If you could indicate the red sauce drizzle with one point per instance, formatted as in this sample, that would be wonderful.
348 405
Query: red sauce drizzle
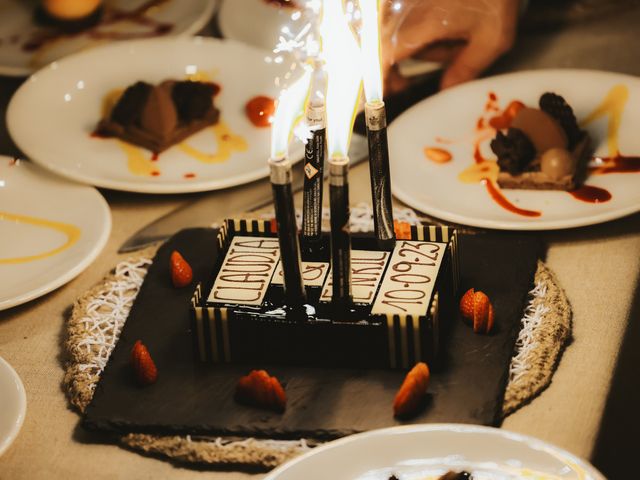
591 194
618 164
260 110
155 173
492 96
504 119
477 154
109 17
501 200
155 156
189 175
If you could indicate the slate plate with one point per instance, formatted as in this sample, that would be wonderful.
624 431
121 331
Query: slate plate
322 403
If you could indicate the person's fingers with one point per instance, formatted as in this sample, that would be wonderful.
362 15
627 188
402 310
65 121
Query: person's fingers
479 53
486 44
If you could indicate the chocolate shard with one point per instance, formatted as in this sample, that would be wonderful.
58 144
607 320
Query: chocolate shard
193 99
456 476
514 150
556 106
128 110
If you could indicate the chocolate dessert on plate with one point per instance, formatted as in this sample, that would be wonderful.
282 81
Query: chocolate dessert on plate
543 148
159 116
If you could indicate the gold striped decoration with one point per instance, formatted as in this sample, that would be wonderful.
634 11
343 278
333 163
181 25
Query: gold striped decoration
392 341
200 334
417 350
224 318
213 335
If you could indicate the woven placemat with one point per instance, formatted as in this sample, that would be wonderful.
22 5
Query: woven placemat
99 315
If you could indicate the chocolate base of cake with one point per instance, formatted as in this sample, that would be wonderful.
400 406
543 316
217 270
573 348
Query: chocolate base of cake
537 180
43 18
136 135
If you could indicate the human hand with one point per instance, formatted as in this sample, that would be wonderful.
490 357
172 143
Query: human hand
466 35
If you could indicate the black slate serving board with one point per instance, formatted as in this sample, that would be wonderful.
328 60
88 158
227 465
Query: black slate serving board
191 398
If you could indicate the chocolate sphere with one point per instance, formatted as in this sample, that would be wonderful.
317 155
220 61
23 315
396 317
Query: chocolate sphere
557 163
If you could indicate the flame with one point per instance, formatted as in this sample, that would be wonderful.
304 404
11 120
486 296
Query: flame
289 110
370 39
343 64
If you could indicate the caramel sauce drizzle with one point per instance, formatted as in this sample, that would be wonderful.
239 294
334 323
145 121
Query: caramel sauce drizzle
612 106
71 231
138 160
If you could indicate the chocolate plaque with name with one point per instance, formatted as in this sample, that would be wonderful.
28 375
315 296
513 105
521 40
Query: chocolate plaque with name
246 272
313 274
367 267
408 284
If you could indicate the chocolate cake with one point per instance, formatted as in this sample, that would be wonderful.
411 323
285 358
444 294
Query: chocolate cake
543 148
159 116
69 15
399 299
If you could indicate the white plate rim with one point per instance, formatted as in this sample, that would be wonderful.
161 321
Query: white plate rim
75 271
520 225
435 427
197 25
22 395
132 186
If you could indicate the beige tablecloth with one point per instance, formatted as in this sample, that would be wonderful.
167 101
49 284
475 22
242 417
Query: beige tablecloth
597 266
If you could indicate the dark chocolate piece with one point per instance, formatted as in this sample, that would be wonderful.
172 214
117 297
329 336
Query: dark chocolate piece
128 110
456 476
514 150
556 106
193 99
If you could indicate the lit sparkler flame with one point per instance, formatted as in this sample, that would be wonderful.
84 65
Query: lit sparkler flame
289 110
370 40
343 64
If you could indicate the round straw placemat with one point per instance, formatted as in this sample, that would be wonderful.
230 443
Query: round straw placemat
98 317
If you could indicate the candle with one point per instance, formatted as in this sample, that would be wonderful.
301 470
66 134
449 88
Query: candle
376 122
344 80
289 108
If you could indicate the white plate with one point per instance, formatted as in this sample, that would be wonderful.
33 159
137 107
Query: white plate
423 452
452 115
52 115
17 29
50 230
13 405
261 28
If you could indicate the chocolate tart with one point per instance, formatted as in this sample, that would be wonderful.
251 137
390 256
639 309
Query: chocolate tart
538 180
543 149
157 117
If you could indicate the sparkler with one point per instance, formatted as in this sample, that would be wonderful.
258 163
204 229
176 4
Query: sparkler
342 58
289 109
376 121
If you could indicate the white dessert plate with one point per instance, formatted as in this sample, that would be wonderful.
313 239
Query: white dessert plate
449 121
26 46
256 22
13 405
424 452
51 117
51 229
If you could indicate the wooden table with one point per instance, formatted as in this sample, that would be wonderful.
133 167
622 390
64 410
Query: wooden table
598 267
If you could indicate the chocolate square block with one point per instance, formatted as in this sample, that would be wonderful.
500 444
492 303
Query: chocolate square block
400 299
